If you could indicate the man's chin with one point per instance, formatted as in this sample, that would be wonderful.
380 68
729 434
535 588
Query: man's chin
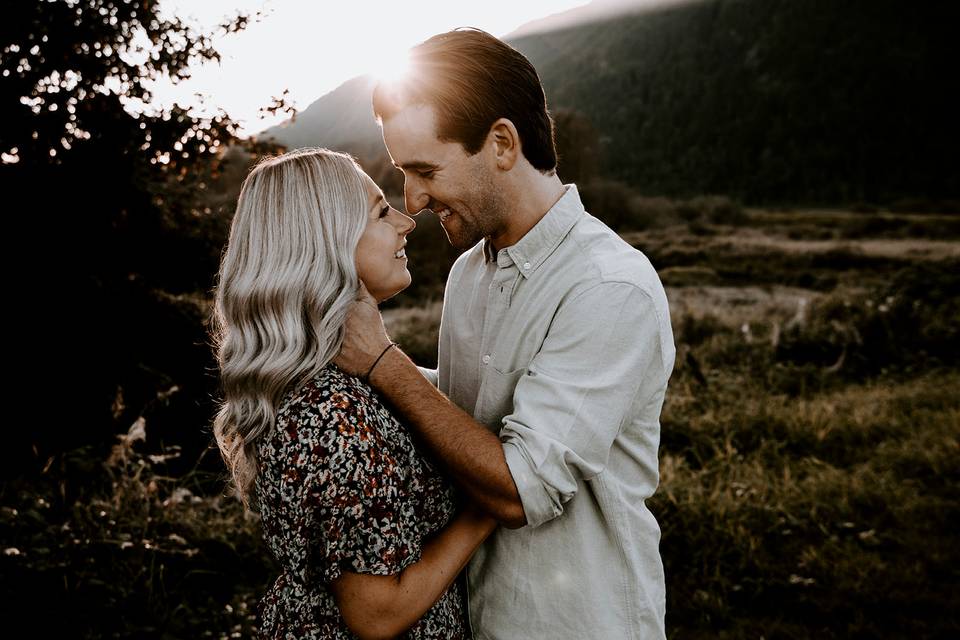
460 240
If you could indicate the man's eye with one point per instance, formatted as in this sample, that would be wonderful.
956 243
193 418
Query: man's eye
425 174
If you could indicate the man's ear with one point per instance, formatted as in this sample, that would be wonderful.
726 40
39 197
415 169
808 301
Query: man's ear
505 143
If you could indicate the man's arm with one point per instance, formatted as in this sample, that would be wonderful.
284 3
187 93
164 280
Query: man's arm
472 455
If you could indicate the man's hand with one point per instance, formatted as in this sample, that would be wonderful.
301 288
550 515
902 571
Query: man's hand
364 337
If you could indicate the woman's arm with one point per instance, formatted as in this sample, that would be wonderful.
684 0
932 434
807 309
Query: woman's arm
376 607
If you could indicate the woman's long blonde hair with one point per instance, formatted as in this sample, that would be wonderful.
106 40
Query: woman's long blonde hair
286 280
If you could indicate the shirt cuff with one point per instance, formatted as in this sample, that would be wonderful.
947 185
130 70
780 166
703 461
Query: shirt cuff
538 506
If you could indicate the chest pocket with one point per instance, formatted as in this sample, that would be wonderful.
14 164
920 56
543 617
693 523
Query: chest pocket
496 397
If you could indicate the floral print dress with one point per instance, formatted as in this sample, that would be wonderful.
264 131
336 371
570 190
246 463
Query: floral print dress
342 488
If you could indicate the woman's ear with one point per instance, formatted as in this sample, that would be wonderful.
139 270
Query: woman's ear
505 143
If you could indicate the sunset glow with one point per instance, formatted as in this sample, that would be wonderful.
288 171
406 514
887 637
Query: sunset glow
311 49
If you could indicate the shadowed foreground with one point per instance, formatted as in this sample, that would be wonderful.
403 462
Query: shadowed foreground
809 458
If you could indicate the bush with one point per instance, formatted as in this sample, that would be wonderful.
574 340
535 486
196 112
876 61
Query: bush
925 205
911 322
713 209
615 204
827 517
864 207
95 536
623 209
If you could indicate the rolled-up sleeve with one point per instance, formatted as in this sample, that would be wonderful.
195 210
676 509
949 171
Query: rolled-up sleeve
429 374
570 404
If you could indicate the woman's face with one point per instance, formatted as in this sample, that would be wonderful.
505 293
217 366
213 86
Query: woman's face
381 259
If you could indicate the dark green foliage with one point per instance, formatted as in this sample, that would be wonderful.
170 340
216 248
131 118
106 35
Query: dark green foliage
765 100
115 547
912 322
577 147
114 212
624 209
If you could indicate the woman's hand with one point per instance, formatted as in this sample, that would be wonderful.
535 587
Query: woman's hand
364 336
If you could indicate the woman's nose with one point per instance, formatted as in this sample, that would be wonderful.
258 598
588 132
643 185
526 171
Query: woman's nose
407 224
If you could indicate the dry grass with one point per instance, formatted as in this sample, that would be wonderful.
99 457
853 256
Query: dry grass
809 455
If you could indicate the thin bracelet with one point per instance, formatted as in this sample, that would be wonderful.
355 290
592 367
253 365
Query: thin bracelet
366 377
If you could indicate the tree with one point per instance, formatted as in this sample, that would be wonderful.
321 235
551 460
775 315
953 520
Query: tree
106 190
577 146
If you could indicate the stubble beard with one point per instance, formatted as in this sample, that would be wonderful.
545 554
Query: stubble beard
486 217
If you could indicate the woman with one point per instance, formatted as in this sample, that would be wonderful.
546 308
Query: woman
363 526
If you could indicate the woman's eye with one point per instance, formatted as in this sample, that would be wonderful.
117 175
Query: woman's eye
385 211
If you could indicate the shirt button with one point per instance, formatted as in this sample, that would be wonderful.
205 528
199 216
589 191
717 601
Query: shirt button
526 265
486 359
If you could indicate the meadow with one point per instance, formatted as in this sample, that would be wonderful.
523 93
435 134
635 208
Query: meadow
810 449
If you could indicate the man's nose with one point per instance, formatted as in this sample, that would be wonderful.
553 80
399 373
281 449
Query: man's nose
415 199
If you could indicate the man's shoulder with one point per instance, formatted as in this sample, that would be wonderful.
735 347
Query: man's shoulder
605 257
613 272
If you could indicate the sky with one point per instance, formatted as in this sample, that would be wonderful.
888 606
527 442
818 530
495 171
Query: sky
310 48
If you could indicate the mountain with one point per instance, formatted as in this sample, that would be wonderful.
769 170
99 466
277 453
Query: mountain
595 11
341 119
771 101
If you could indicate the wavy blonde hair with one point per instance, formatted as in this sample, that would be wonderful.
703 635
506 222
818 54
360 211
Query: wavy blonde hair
286 279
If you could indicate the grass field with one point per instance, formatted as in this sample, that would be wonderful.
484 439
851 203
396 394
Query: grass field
810 454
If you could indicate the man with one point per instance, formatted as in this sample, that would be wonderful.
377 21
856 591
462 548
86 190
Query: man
555 350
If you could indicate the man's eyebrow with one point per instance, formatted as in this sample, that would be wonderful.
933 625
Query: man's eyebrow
416 165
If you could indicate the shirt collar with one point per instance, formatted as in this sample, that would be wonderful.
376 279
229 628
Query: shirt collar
540 241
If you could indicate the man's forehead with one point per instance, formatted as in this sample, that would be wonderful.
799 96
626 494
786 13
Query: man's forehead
410 136
420 115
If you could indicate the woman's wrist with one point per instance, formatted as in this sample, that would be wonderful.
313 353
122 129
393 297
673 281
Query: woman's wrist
366 376
388 362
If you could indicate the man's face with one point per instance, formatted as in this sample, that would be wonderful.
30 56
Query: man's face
440 176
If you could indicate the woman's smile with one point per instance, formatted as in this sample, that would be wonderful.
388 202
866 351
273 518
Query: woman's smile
386 230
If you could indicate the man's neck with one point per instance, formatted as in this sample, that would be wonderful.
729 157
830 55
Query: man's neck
534 198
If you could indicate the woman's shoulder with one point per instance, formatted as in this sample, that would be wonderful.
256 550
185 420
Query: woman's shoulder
333 429
330 389
313 410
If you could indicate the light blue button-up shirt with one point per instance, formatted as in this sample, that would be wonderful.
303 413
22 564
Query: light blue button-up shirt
562 345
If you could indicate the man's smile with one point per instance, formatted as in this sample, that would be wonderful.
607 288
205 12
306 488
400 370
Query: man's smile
441 210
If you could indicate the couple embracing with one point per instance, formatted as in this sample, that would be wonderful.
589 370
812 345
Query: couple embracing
502 495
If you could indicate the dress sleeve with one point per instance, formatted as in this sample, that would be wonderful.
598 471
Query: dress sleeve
345 492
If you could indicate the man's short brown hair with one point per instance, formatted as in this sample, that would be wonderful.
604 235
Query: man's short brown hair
471 79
